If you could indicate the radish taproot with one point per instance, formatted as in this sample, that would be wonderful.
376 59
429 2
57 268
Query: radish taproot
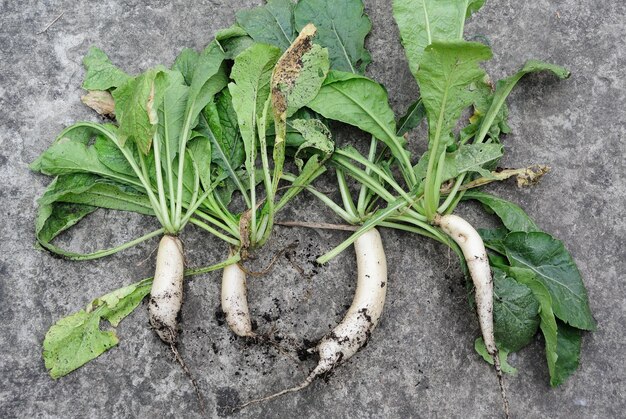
234 301
475 254
166 295
353 332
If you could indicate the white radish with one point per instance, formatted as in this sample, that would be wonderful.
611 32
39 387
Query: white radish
235 301
473 249
166 295
355 329
166 299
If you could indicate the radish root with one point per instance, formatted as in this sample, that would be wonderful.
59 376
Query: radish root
166 299
341 343
475 254
234 297
166 295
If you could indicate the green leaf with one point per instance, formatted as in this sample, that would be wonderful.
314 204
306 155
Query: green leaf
503 354
101 74
470 158
135 110
218 123
548 323
555 268
62 185
230 140
493 238
171 119
341 27
233 41
568 350
112 196
513 217
200 150
358 101
423 22
185 63
66 157
77 339
413 117
209 78
270 24
504 87
112 157
445 78
316 136
515 312
251 74
466 158
53 219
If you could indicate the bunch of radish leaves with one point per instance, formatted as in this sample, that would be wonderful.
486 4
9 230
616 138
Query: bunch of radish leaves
537 285
217 109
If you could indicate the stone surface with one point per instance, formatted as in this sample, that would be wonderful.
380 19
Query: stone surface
420 361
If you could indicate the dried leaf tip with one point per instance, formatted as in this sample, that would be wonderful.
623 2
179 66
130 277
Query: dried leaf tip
100 101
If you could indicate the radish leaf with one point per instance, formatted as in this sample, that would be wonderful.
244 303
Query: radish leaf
504 87
233 41
412 118
503 354
445 79
185 63
101 74
341 27
270 24
515 312
77 339
568 351
548 323
251 75
53 219
358 101
422 22
316 136
554 267
513 217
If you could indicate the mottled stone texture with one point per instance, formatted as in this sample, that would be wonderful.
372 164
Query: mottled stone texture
420 361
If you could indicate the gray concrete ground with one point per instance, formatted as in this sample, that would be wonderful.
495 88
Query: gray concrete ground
420 361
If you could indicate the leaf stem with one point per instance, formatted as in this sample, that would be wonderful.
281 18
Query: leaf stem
100 253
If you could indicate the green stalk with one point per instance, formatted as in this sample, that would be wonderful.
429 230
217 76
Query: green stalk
373 221
159 175
227 262
220 210
298 184
217 223
145 181
430 203
363 192
344 190
169 171
184 135
362 178
267 222
213 231
100 253
326 200
452 195
372 167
